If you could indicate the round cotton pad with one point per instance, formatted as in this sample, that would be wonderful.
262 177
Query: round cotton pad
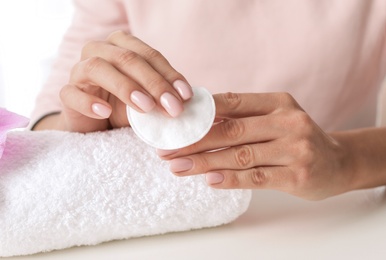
164 132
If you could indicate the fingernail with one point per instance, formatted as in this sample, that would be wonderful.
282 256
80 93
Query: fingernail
181 165
183 89
171 104
214 178
101 110
161 152
142 101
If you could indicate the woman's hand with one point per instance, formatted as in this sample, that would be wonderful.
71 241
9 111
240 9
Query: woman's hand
117 72
265 141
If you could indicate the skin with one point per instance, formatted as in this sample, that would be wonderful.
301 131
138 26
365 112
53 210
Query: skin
267 141
107 74
259 141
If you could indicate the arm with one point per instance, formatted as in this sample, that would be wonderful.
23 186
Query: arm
365 160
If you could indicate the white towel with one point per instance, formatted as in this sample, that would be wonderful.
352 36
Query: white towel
59 190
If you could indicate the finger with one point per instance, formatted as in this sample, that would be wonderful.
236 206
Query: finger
139 70
155 59
255 121
119 116
88 105
97 72
79 106
277 177
233 105
231 133
236 158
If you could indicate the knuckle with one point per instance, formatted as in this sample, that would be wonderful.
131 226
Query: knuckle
233 180
285 99
156 83
231 100
303 119
233 129
201 164
112 36
244 156
300 122
122 88
88 48
305 152
302 150
151 53
126 57
258 177
92 64
302 179
304 145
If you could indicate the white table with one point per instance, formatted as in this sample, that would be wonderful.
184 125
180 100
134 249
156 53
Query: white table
276 226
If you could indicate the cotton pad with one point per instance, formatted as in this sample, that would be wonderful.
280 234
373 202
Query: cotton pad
164 132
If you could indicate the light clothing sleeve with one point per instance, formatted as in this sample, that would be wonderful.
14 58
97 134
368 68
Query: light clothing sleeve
329 55
93 20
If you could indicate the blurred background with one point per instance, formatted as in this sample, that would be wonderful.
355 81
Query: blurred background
30 32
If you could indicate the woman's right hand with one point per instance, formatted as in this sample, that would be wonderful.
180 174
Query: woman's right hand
114 73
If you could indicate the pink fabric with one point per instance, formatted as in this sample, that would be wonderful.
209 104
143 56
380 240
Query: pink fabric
330 55
8 121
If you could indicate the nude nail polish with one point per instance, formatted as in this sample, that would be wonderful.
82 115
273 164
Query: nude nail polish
101 110
183 89
144 102
214 178
181 165
171 104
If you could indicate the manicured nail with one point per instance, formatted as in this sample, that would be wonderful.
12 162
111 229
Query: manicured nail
171 104
101 110
161 152
181 165
214 178
183 89
142 101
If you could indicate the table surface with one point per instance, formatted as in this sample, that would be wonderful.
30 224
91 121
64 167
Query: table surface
276 226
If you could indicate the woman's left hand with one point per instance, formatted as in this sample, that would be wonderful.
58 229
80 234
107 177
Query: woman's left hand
265 141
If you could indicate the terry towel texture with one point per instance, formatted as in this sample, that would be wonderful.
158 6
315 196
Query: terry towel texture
59 190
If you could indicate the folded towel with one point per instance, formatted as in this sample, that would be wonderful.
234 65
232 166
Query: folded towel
59 190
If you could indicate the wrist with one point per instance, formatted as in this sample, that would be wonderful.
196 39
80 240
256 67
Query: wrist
347 174
362 163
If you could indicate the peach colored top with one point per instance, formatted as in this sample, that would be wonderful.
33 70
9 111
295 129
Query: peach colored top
330 55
